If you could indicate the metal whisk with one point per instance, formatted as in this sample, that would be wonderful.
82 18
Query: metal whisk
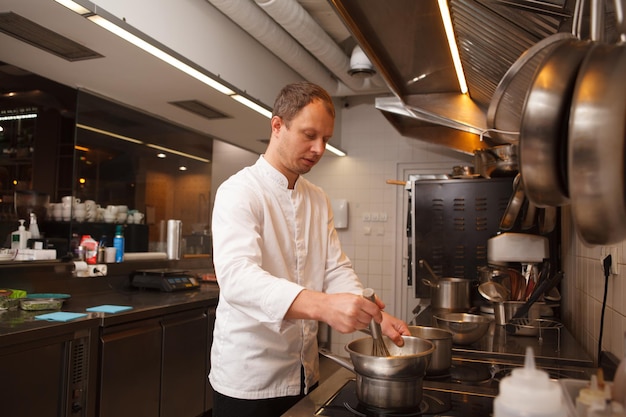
378 344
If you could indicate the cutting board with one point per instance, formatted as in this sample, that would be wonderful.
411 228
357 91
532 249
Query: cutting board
108 308
60 316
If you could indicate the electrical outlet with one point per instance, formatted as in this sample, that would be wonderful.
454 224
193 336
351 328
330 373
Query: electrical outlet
615 260
99 270
367 217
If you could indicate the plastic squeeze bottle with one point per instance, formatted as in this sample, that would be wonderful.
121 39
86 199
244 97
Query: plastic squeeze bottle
529 392
619 381
33 228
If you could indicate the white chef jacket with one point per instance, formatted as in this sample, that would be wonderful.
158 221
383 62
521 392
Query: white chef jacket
269 243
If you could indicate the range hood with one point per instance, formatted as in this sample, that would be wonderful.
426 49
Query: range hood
406 41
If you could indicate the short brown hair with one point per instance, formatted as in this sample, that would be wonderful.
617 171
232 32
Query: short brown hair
293 97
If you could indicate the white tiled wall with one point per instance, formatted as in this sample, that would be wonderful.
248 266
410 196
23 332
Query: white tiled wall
583 292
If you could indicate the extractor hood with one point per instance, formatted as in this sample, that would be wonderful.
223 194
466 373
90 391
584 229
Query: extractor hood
406 41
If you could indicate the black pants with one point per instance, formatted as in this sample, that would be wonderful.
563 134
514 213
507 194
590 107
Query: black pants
224 406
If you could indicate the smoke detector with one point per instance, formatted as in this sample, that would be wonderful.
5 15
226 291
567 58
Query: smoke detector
360 65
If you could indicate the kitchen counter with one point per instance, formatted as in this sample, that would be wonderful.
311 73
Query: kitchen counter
15 325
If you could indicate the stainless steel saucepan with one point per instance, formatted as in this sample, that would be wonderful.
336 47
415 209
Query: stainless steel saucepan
448 294
394 382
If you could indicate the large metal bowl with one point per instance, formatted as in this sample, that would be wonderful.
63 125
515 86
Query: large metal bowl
465 328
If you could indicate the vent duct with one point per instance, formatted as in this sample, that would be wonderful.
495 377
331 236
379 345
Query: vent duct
36 35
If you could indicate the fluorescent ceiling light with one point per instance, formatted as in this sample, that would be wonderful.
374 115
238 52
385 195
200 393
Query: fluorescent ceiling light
334 150
162 55
175 152
139 142
251 104
75 7
454 50
107 133
19 116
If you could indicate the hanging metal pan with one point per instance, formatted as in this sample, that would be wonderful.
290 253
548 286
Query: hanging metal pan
597 143
514 206
597 137
506 105
543 132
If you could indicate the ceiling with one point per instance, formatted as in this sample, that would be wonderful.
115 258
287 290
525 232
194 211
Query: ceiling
302 39
132 77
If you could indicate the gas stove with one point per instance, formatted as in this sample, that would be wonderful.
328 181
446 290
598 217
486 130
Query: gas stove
435 402
468 390
471 384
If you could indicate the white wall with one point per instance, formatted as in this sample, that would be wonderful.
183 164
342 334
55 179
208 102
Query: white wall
226 161
583 292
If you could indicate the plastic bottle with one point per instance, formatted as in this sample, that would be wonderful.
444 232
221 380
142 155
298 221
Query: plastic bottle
91 249
529 392
33 228
619 381
102 248
118 243
20 236
590 395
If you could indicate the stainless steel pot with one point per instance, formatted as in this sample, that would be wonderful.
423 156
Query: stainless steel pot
392 383
504 311
441 359
450 294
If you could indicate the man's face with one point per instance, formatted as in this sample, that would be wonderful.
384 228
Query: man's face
296 148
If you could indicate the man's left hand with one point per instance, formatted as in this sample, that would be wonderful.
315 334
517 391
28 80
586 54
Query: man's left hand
394 328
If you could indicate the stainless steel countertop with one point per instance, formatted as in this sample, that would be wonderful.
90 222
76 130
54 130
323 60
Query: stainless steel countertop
556 348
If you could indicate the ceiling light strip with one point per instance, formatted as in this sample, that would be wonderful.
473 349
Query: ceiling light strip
186 155
139 142
336 151
163 56
249 103
19 116
454 50
160 54
116 29
107 133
